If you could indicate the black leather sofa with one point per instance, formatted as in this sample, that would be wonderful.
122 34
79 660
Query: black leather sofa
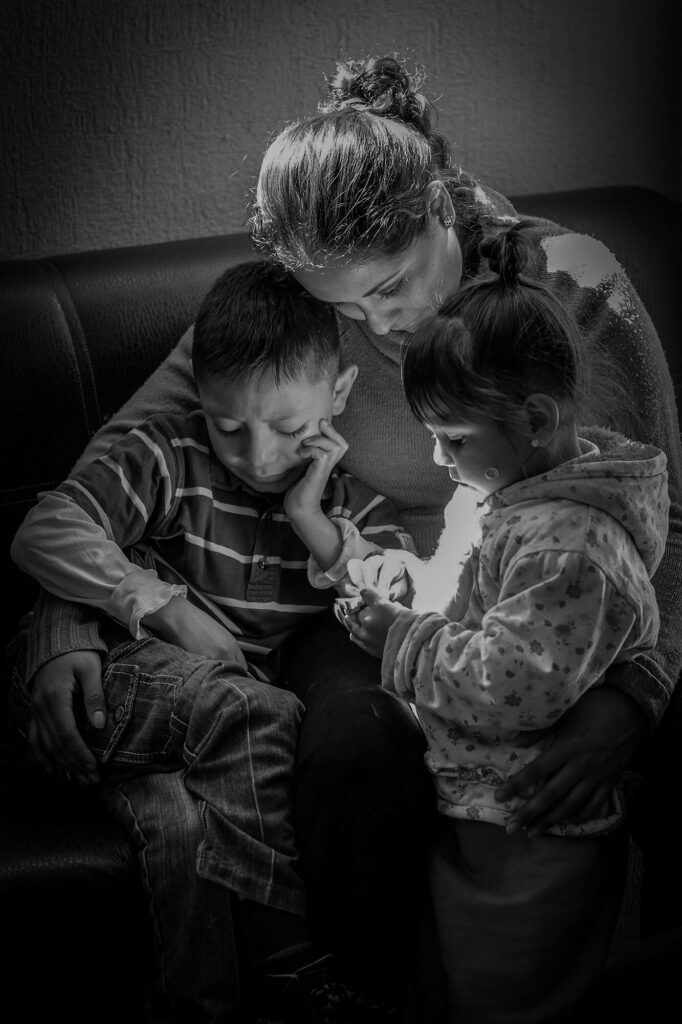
78 333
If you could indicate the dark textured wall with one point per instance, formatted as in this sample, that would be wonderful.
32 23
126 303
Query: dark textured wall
128 121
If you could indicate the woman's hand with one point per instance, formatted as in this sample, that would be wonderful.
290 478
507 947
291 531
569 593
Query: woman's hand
369 625
181 623
573 779
53 736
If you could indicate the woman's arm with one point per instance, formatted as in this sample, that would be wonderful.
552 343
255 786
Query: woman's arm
630 364
599 737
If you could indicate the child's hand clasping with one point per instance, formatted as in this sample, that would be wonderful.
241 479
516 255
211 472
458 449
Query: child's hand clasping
369 626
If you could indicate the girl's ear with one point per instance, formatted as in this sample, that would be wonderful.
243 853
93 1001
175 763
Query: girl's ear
542 418
344 382
440 204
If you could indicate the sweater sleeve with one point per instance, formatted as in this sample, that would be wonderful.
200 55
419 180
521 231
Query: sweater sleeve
620 334
60 626
61 546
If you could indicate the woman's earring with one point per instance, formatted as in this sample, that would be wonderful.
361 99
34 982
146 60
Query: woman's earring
448 221
535 443
491 473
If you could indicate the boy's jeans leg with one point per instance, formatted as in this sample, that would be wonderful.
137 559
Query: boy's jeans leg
236 739
191 918
199 762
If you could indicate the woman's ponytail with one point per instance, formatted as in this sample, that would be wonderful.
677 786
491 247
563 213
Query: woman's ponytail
381 86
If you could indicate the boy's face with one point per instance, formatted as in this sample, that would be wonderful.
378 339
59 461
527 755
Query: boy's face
256 425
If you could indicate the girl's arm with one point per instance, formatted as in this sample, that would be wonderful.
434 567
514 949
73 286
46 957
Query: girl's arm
533 654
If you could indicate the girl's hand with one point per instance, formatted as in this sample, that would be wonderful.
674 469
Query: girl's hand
323 450
369 626
181 623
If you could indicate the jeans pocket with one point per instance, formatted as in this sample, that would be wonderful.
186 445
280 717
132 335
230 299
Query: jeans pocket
140 703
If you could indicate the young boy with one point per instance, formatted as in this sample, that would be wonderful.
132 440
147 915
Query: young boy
205 540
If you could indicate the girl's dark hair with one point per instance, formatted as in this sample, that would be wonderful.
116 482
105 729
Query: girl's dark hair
350 181
255 318
499 339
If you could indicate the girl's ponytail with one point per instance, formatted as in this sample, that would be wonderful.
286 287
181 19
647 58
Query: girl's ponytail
507 254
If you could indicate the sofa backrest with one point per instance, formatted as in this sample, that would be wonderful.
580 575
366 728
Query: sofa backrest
79 333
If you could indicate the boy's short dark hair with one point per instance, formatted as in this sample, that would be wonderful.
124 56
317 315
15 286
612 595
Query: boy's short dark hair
257 317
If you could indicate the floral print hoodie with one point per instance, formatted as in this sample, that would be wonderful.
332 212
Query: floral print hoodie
555 589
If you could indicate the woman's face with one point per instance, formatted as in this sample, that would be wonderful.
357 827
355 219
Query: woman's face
393 293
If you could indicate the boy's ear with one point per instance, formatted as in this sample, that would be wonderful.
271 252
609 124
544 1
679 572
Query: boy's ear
542 417
344 382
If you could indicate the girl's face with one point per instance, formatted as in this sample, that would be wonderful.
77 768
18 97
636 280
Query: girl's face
470 447
393 293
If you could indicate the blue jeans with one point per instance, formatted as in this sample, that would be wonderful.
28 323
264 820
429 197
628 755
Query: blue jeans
197 761
233 737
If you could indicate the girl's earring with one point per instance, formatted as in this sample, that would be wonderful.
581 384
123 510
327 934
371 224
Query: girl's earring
535 443
491 473
448 221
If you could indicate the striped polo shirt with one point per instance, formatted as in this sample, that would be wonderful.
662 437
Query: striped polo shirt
166 500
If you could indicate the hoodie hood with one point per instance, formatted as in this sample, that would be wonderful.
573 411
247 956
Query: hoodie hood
623 478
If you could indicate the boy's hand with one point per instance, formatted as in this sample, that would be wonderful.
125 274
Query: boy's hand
392 573
369 625
323 450
181 623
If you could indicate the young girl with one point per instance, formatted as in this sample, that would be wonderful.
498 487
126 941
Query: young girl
555 588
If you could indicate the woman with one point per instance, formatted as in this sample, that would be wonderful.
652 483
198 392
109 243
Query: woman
362 202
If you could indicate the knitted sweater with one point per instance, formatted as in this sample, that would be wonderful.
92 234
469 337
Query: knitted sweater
392 453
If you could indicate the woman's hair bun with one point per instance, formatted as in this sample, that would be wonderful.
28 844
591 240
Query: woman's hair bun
381 86
507 253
